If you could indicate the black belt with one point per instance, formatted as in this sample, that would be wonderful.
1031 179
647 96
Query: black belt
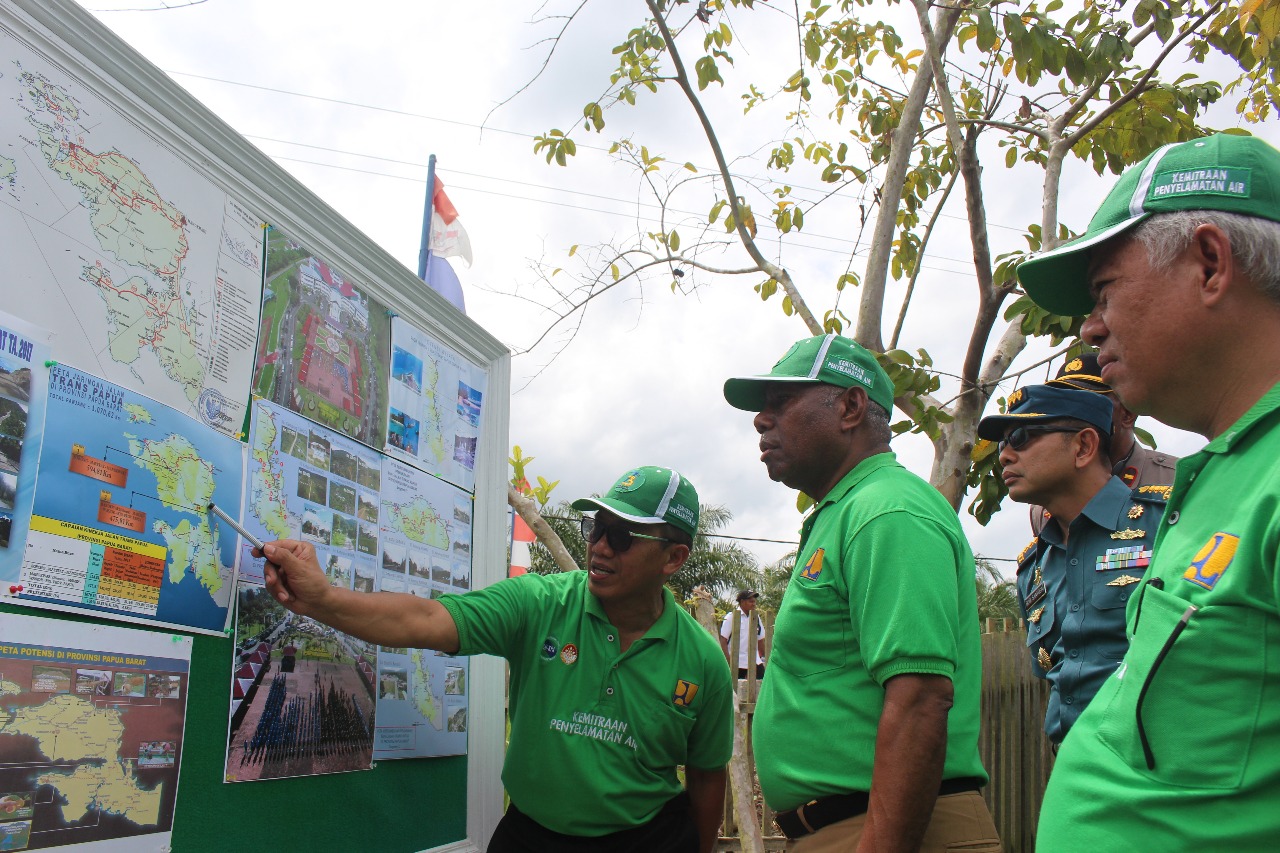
824 811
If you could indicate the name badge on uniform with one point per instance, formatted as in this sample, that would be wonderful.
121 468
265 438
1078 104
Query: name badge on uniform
1036 595
1130 557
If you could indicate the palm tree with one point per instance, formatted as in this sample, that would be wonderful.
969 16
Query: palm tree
996 596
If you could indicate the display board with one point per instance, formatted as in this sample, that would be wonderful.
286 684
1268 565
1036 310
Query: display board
221 336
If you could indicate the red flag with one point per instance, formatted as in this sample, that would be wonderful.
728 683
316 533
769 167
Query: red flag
448 237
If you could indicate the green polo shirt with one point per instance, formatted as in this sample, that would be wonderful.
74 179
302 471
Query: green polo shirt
596 733
883 586
1203 772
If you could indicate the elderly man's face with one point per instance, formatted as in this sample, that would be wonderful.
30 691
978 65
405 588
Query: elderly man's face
1137 322
799 429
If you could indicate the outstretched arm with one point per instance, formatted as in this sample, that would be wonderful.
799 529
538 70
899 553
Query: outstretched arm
294 577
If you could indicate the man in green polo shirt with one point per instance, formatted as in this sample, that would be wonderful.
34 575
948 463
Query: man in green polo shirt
613 685
866 730
1179 273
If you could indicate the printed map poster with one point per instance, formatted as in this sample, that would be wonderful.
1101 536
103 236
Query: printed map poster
91 731
302 695
307 482
120 526
150 273
425 551
323 344
437 399
23 383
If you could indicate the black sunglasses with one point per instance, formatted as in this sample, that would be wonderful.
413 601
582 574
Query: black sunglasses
618 537
1020 437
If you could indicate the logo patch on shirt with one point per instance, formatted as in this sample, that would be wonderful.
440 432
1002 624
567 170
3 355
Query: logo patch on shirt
685 691
569 654
550 646
1208 566
813 567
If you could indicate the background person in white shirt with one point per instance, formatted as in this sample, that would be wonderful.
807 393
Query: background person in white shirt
746 603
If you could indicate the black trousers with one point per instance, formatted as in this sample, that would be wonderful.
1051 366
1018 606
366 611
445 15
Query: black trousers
672 830
742 672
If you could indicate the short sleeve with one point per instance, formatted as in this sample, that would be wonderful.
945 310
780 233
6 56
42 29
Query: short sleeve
904 596
711 738
490 620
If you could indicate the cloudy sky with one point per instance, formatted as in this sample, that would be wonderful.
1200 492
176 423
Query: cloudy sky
352 100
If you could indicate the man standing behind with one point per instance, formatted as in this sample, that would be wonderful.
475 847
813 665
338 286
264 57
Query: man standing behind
1075 578
746 657
613 685
1179 272
866 731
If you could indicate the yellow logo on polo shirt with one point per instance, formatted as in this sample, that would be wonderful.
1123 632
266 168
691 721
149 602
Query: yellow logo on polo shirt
685 691
813 567
1212 560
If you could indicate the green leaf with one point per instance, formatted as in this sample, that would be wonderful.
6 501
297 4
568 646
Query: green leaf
673 241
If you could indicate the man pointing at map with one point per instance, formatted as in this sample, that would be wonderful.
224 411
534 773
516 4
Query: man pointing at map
613 685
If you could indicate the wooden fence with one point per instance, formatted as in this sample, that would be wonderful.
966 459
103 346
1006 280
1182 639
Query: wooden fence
1012 743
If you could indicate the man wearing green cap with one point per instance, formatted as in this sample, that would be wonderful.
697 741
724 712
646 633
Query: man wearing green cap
866 730
1179 273
1077 574
613 685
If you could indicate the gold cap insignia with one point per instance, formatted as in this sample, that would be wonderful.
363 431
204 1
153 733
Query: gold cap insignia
1015 398
1075 364
1124 580
1129 533
1135 511
1042 658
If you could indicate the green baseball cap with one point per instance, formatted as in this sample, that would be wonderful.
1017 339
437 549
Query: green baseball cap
829 359
1227 172
650 495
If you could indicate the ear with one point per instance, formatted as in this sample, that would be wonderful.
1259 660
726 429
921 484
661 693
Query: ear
1124 417
677 555
853 407
1210 252
1088 447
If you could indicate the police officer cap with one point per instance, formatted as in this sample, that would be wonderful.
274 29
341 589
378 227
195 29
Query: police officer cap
1081 372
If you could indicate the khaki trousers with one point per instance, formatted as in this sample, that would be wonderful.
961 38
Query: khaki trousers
960 822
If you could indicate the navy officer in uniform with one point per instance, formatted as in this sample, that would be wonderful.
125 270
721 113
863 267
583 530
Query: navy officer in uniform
1075 578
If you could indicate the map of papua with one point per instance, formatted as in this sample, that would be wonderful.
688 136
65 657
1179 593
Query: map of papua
88 753
138 227
126 241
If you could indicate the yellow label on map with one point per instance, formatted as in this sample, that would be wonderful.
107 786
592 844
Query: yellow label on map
79 532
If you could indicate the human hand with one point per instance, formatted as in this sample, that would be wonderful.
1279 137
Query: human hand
293 575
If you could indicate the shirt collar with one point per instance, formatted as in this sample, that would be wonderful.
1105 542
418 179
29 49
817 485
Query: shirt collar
659 630
1266 404
1103 510
856 475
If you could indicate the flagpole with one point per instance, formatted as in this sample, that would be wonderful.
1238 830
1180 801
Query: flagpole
424 251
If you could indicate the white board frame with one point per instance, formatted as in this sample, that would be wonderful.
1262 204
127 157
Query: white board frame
73 39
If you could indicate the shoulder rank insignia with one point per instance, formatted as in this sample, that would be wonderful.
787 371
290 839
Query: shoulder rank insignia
1135 511
1128 533
1034 618
1159 491
1124 580
1042 658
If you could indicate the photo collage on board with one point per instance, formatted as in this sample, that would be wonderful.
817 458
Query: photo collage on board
216 361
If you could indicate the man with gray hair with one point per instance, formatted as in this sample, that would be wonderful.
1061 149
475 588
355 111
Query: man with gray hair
1179 273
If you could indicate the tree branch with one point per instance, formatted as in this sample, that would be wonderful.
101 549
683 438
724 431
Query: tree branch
528 510
774 271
